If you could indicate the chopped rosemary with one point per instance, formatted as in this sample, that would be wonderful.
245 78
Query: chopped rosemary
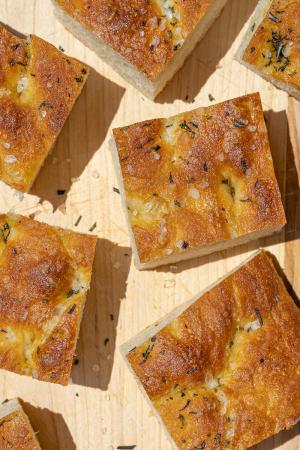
182 420
186 127
164 379
217 439
185 245
211 98
239 123
5 232
61 191
156 147
116 190
60 48
202 446
79 79
177 203
77 221
93 227
71 310
190 180
72 292
15 46
258 314
186 161
244 165
205 167
126 447
147 352
171 180
186 405
106 341
273 18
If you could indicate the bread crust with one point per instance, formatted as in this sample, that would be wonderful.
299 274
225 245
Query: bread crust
213 373
146 33
45 274
274 48
38 88
199 178
15 429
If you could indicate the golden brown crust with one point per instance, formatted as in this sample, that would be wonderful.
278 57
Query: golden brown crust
146 33
214 374
275 46
38 88
201 177
16 432
45 273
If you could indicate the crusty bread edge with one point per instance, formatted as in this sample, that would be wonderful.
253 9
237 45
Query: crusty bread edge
120 180
255 21
123 67
12 406
153 329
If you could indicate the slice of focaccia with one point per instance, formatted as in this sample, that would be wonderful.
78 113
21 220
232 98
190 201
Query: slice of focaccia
223 370
38 88
45 274
145 41
197 182
15 429
271 47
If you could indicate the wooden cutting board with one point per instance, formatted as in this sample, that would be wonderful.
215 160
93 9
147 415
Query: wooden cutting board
103 408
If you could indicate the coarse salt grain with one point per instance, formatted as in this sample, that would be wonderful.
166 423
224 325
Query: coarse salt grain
6 145
43 113
169 283
252 128
169 251
194 193
10 159
156 156
155 42
21 85
179 244
49 85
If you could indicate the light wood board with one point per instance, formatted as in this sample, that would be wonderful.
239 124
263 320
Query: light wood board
103 408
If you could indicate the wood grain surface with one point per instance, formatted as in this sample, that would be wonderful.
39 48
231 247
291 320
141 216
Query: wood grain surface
103 408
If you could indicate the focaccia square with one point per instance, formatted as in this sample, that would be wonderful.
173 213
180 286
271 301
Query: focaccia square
223 370
15 429
197 182
145 41
45 273
38 88
271 47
